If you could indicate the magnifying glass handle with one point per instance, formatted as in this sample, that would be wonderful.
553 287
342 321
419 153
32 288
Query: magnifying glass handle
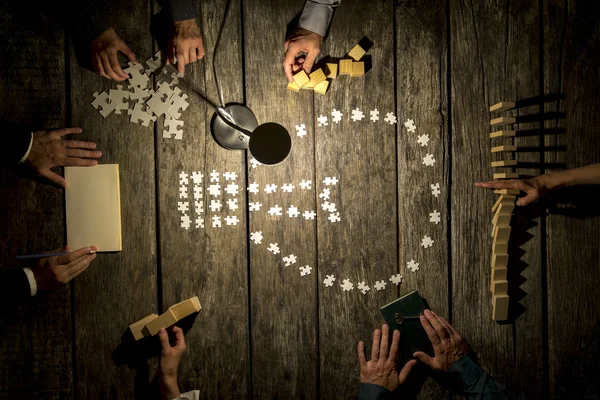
228 118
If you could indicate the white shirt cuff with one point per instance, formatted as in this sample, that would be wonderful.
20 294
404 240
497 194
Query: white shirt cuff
31 279
317 15
191 395
28 150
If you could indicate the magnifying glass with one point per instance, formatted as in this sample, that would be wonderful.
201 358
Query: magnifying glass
234 126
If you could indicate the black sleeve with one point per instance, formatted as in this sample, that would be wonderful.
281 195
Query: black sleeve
180 10
14 286
16 143
87 19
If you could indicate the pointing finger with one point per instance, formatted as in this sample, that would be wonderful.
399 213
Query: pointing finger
66 131
361 354
77 144
375 346
83 153
54 177
74 255
384 348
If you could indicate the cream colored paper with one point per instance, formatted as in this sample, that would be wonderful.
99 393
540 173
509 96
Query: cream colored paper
93 207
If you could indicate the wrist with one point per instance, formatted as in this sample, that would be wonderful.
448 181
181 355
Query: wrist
553 180
169 387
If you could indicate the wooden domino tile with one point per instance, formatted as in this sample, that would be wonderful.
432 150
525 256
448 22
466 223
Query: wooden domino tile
502 134
358 69
321 88
503 121
506 175
332 70
504 148
504 163
500 307
507 191
357 52
502 106
345 67
137 327
301 78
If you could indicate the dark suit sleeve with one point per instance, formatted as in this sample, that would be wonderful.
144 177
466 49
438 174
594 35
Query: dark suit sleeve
471 381
14 286
16 143
87 19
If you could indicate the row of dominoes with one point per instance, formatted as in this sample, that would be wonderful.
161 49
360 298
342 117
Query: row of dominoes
502 214
317 80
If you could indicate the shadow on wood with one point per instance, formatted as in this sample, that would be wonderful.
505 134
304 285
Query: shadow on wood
576 202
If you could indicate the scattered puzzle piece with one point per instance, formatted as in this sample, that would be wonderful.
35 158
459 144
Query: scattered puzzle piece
183 178
334 217
325 194
412 265
102 102
214 190
254 163
275 211
253 188
214 176
199 222
423 140
435 217
305 184
322 120
271 188
427 242
362 286
256 237
293 212
336 116
183 206
309 215
216 221
185 221
329 181
197 177
183 192
435 189
357 115
301 130
119 97
173 130
199 206
232 204
328 281
230 176
231 189
410 125
396 279
429 160
347 285
153 63
215 205
380 285
274 248
390 118
305 270
374 115
287 187
231 220
289 260
254 206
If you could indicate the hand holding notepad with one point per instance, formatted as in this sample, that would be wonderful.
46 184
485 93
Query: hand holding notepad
93 207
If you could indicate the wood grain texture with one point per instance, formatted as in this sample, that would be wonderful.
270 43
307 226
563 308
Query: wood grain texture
572 51
362 154
35 349
422 96
211 262
479 79
120 288
283 304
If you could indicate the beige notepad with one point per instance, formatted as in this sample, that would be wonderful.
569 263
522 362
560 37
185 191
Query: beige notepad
93 207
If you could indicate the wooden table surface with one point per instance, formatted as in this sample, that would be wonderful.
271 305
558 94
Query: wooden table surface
265 331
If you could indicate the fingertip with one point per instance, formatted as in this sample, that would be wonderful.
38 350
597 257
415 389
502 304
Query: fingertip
396 333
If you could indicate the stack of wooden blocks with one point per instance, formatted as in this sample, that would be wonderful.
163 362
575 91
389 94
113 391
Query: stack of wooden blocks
502 211
319 79
150 325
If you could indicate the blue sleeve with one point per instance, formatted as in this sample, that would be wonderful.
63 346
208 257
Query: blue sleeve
471 381
369 391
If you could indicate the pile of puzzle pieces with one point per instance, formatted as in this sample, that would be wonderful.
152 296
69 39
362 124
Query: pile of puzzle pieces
317 80
168 100
502 211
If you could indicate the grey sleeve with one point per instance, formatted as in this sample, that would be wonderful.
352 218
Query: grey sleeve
369 391
472 382
317 15
180 10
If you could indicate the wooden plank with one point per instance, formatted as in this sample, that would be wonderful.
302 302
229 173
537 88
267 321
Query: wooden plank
283 303
572 47
495 70
121 287
421 55
219 277
363 246
35 338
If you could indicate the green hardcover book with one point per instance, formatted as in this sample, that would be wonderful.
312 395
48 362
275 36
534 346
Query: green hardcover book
403 314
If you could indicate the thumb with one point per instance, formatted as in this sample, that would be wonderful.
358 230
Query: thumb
403 375
424 358
523 201
127 51
164 339
54 177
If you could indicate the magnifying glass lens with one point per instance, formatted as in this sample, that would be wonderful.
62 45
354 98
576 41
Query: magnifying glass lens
270 143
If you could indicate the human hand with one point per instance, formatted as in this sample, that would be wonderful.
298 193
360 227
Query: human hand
185 44
448 345
534 188
53 272
381 369
305 42
172 349
104 55
49 150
